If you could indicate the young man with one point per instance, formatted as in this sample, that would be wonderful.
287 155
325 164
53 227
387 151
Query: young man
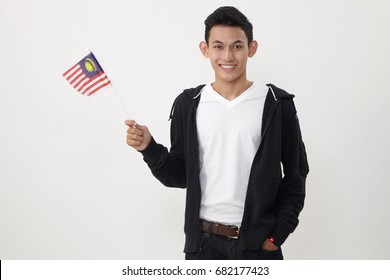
228 140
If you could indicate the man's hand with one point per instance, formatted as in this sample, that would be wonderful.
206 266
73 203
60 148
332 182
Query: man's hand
269 246
138 136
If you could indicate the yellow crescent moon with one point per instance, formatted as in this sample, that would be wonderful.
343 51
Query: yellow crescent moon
89 65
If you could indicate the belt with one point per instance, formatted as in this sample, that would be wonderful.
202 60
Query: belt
219 229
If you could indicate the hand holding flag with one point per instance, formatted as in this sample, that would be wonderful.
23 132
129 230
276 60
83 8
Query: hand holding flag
87 77
138 136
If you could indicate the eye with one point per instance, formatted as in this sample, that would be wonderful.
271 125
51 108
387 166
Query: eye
218 47
237 47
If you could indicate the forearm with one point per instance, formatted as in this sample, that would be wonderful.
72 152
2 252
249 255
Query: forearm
166 166
289 204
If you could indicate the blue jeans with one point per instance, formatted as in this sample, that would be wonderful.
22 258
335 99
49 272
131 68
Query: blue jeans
216 247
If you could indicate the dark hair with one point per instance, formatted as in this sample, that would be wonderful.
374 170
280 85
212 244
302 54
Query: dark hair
229 16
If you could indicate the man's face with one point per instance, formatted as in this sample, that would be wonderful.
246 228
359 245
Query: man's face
228 52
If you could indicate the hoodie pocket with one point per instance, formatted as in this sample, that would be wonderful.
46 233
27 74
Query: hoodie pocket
303 164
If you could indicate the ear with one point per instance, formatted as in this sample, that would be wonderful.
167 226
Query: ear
252 48
204 48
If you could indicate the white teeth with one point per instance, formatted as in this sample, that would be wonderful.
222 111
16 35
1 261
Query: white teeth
227 66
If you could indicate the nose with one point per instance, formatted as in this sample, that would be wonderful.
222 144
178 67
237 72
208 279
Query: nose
227 55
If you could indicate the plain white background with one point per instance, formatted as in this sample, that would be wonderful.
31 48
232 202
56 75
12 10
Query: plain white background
70 187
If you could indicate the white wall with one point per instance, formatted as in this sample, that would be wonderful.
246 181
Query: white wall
70 188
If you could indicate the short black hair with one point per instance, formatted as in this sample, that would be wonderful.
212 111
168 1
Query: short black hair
229 16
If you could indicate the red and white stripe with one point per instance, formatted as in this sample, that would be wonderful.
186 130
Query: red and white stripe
82 83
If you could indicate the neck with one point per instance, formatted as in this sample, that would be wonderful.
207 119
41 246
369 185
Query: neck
231 90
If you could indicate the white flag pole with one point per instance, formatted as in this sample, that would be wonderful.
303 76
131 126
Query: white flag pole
120 101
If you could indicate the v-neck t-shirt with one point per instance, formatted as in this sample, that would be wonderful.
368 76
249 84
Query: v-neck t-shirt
229 133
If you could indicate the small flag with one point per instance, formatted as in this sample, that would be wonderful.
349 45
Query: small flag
87 76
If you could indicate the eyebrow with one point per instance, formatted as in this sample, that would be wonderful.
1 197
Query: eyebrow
235 42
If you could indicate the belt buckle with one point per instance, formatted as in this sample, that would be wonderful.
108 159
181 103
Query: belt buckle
237 232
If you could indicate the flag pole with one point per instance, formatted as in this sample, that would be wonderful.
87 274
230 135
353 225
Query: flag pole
120 100
113 89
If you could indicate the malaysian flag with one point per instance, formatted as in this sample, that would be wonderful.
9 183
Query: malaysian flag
87 76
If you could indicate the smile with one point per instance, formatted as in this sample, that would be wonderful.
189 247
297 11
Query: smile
227 66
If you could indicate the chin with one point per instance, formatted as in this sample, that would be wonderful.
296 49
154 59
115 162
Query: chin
229 79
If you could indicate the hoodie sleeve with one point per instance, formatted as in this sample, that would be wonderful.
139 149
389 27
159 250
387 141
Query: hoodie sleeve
169 167
291 194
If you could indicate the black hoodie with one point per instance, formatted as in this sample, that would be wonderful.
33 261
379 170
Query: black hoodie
273 201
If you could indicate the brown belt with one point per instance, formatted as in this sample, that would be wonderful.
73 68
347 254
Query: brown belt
219 229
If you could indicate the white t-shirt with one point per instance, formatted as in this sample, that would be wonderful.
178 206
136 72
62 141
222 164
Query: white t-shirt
229 133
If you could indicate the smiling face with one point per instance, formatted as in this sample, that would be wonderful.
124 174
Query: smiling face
228 51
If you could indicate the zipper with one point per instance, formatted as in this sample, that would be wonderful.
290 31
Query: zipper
195 104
